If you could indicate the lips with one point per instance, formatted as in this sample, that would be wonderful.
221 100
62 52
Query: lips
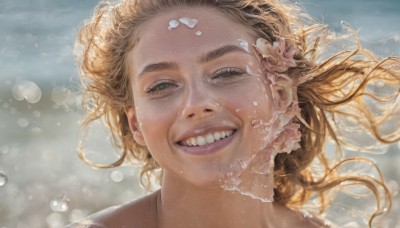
206 140
209 138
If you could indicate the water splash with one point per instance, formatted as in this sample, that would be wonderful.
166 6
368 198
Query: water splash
3 179
27 90
60 203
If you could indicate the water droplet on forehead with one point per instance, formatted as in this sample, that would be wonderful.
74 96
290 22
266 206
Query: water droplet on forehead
3 179
172 24
244 44
189 22
255 103
198 33
59 203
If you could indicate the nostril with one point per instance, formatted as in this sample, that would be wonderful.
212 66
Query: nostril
208 110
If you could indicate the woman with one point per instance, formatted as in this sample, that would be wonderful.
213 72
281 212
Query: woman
231 100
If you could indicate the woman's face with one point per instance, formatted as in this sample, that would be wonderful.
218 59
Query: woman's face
197 91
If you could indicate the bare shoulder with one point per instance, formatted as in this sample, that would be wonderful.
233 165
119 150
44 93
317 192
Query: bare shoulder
140 213
299 219
308 220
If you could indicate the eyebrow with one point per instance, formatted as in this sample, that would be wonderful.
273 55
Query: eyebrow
158 67
219 52
209 56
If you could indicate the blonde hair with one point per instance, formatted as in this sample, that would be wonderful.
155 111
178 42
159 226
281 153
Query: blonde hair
332 82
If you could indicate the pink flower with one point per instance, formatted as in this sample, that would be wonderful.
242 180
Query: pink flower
288 140
282 91
277 57
280 133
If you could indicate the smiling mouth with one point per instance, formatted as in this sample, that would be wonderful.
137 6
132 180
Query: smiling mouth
206 139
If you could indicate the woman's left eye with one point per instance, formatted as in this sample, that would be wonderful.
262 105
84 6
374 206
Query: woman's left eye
228 73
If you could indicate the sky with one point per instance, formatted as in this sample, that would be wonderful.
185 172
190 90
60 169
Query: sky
37 36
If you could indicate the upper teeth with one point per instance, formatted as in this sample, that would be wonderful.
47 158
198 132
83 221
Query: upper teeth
206 139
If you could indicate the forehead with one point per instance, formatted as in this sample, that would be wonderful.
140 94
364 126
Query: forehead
200 29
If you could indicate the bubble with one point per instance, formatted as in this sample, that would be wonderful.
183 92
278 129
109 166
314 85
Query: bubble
54 220
36 130
4 149
3 179
13 110
36 114
77 214
27 90
22 122
60 94
60 203
117 176
393 187
198 33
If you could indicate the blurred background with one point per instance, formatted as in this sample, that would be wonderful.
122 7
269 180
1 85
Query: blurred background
42 181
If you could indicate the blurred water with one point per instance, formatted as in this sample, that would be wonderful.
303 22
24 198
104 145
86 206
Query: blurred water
42 181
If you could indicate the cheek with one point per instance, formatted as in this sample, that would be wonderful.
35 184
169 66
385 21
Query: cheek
154 121
250 99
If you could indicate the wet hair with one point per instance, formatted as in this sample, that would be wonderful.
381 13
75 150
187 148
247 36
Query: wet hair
342 79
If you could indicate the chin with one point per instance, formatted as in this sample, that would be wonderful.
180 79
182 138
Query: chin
213 180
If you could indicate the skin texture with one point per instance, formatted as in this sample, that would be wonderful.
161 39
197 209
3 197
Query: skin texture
195 97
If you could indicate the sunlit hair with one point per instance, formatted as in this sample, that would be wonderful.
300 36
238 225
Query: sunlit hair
335 84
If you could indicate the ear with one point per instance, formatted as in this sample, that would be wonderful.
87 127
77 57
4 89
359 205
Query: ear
133 125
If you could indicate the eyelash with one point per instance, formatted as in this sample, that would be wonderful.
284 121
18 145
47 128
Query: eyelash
159 87
228 73
222 74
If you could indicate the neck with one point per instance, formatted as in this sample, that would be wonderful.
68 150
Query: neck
185 205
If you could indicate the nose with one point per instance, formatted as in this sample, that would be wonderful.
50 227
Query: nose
199 103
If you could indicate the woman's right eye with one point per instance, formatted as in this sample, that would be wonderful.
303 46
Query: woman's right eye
160 87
